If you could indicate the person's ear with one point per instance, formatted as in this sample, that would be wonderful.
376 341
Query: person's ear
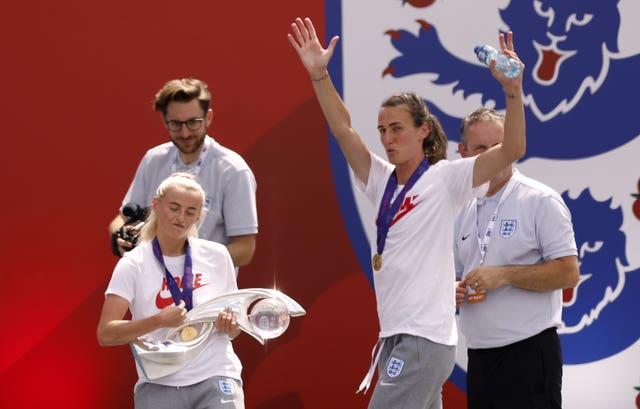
209 117
425 130
462 150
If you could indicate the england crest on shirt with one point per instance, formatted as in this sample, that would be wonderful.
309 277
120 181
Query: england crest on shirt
507 228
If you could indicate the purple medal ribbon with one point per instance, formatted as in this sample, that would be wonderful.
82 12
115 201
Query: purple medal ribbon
187 278
387 211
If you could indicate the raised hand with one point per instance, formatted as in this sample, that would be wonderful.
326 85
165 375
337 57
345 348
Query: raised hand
507 47
304 40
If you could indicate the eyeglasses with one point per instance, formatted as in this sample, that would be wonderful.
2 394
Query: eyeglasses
192 124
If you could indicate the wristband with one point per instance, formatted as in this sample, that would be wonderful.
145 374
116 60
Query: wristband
324 77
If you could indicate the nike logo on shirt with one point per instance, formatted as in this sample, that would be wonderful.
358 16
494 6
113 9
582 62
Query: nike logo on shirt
163 301
406 206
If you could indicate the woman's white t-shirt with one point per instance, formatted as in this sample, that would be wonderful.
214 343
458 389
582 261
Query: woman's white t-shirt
415 288
140 279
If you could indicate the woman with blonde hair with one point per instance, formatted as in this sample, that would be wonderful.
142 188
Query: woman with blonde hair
167 274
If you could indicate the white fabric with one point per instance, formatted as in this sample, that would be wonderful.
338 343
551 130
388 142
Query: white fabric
140 279
415 288
375 357
225 177
541 231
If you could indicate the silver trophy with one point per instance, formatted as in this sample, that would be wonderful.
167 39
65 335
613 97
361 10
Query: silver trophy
262 313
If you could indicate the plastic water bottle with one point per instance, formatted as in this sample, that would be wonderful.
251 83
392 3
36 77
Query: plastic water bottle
506 65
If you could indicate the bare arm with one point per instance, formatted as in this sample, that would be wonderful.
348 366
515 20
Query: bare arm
113 330
513 146
559 273
242 249
316 59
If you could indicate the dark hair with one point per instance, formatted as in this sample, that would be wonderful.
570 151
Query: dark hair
479 115
435 144
182 90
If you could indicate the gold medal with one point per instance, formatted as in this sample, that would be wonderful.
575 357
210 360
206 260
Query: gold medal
188 333
377 261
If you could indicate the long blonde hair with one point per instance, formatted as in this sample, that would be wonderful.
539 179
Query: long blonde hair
184 180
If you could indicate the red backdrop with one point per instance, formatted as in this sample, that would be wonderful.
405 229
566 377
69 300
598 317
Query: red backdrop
78 81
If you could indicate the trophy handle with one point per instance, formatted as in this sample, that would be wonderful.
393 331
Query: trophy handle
239 301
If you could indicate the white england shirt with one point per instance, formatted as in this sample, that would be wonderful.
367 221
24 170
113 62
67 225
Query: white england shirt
140 279
415 288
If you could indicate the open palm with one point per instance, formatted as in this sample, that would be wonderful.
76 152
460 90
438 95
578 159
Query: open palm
304 40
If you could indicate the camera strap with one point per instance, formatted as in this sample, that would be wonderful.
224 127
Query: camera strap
187 277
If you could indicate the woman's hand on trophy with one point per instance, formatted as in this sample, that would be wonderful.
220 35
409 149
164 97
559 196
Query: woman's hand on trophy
172 315
227 323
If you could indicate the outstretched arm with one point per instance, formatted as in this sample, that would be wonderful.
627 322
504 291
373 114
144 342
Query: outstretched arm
512 148
315 59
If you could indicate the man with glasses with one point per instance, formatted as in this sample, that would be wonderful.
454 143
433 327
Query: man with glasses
230 215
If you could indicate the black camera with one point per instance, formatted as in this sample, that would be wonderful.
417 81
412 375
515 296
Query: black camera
130 231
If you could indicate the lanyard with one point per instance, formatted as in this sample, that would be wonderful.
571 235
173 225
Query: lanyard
195 170
187 278
387 211
483 242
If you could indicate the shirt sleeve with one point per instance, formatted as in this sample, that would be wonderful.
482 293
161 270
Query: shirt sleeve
230 272
139 187
554 228
239 204
461 180
122 281
378 176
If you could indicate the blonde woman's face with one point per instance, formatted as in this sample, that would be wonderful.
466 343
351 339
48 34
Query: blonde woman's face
177 211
